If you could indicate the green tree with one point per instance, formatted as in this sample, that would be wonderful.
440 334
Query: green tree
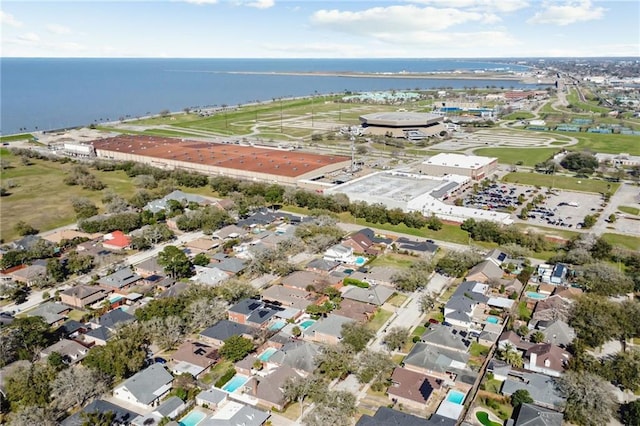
233 290
175 262
589 401
589 221
356 335
521 396
413 278
32 335
56 270
575 161
79 263
594 319
236 347
23 228
201 259
396 338
630 413
83 207
29 386
335 361
299 388
537 337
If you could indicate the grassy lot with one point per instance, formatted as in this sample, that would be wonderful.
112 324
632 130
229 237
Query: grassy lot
627 241
574 100
518 115
561 182
418 331
381 316
397 300
629 210
14 138
528 156
394 260
216 372
611 144
478 350
492 385
76 315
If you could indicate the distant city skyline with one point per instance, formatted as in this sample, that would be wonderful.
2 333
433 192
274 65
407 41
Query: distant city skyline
320 29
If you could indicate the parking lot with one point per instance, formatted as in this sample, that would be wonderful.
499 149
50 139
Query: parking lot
562 209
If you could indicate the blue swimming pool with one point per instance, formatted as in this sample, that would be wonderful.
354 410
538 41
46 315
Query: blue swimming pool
192 419
266 354
306 324
277 325
535 295
455 397
360 261
236 381
493 320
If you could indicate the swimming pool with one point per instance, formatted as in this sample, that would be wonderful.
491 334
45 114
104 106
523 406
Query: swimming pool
236 381
306 324
192 419
266 354
360 261
277 325
493 320
535 295
455 397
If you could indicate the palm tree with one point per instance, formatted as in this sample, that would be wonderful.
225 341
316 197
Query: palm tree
511 356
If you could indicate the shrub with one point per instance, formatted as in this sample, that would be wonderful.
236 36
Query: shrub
357 283
225 378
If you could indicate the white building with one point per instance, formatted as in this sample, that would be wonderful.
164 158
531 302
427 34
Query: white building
146 388
473 166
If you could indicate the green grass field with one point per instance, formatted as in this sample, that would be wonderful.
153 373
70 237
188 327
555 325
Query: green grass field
629 210
14 138
626 241
393 260
518 115
529 156
610 144
561 182
380 317
574 100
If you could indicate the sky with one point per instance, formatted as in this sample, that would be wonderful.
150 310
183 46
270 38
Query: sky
320 29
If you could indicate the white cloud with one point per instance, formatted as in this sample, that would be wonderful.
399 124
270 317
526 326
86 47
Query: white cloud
502 6
400 19
568 13
58 29
9 19
29 38
201 1
262 4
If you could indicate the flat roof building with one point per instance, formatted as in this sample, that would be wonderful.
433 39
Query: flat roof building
408 125
240 161
473 166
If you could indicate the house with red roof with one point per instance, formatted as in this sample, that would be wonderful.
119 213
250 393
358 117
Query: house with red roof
116 240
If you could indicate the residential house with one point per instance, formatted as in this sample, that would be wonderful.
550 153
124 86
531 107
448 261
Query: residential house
466 304
557 332
112 319
445 364
253 312
360 242
181 197
356 310
27 242
71 329
552 308
201 245
569 293
496 256
146 388
559 274
57 237
236 414
532 415
53 313
30 274
211 398
339 253
543 389
121 416
386 416
546 289
500 369
375 294
321 265
376 275
416 246
547 359
484 272
81 296
268 389
98 336
230 232
211 277
70 350
194 358
412 389
149 267
511 338
120 280
289 297
297 354
327 330
223 329
116 240
229 264
170 408
447 337
311 281
174 290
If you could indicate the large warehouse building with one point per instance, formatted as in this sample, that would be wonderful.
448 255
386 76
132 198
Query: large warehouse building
408 125
413 192
473 166
240 161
